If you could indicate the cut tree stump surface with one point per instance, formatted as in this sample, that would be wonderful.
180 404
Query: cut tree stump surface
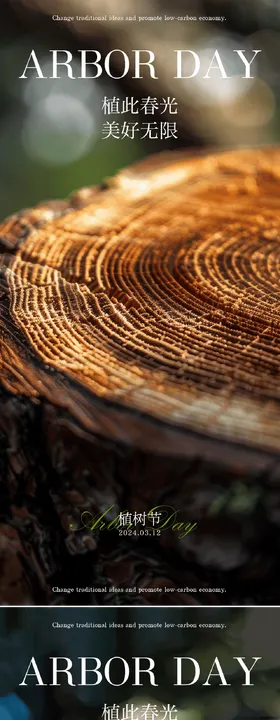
158 295
141 319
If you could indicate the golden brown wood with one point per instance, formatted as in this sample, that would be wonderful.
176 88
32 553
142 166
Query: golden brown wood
158 295
140 341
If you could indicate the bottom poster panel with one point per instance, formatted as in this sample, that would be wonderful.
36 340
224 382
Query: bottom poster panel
139 663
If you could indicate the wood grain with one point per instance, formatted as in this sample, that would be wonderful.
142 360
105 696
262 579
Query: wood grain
140 341
158 295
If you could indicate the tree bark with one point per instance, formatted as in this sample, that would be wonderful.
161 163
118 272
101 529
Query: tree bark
139 336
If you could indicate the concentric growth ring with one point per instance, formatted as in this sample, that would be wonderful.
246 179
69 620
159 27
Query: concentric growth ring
159 293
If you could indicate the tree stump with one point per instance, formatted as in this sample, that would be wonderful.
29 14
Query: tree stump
140 342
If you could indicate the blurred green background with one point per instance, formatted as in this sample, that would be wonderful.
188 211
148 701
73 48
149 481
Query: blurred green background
50 131
246 632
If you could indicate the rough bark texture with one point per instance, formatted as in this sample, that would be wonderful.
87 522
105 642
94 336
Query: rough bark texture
139 337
